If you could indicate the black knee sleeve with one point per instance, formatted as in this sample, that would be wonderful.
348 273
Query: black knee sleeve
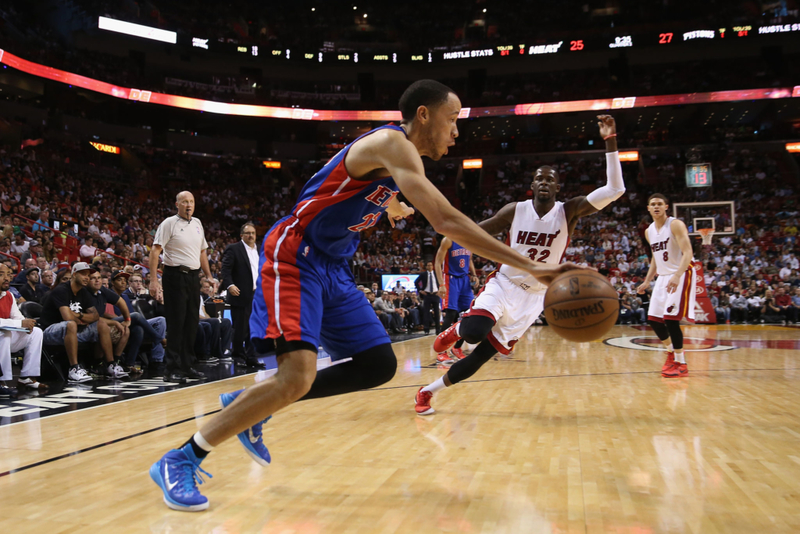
379 364
367 369
675 334
475 328
660 329
463 369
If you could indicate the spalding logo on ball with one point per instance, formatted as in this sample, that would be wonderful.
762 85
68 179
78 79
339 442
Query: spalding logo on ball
581 305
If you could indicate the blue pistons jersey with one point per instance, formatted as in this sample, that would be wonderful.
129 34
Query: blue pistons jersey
456 278
305 291
333 208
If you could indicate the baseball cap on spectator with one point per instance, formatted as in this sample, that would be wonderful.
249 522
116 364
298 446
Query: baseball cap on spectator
29 271
34 243
115 274
82 266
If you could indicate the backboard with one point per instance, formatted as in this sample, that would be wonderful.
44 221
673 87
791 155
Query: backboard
721 216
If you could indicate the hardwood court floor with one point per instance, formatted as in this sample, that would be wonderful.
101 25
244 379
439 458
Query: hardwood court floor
561 438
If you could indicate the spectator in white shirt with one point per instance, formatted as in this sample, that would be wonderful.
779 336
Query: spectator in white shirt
88 251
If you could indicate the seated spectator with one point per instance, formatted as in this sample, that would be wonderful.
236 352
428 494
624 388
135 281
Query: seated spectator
69 317
142 329
626 315
63 276
410 303
88 251
20 245
42 223
136 287
721 305
120 330
382 317
770 312
755 303
22 277
14 341
34 251
385 305
33 290
217 333
784 303
48 278
639 313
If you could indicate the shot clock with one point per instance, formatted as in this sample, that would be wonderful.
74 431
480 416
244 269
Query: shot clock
698 175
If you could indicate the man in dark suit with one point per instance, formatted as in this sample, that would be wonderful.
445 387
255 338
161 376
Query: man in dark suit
239 275
428 288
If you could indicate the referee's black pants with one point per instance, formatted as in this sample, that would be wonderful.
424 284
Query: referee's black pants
182 312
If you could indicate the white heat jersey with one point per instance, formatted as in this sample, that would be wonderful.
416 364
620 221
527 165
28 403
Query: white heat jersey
543 239
666 252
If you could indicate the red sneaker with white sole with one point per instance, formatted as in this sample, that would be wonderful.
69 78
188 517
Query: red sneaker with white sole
422 400
446 339
678 370
458 354
443 357
668 363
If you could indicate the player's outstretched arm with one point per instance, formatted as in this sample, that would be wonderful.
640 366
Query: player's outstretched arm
397 155
615 186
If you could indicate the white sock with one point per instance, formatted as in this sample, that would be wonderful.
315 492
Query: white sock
436 386
202 443
679 357
458 328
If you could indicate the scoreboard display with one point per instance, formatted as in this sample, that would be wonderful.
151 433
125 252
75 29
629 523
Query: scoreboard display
698 175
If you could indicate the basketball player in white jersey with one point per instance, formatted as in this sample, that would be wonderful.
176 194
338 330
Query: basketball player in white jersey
673 295
512 300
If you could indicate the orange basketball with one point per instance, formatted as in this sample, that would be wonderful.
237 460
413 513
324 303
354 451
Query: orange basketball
581 305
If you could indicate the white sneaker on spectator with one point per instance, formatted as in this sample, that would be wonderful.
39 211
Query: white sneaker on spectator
78 374
115 370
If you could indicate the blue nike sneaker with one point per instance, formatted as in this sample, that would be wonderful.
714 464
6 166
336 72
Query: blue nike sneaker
176 473
250 438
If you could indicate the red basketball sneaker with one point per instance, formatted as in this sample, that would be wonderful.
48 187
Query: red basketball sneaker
458 354
669 362
423 402
446 339
443 357
678 370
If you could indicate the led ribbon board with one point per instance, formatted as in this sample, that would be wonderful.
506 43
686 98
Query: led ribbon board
273 112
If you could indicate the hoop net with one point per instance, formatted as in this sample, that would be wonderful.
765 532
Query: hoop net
706 234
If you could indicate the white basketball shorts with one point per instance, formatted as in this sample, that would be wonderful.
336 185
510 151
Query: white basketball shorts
513 309
673 306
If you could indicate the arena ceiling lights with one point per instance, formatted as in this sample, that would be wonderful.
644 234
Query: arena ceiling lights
542 108
137 30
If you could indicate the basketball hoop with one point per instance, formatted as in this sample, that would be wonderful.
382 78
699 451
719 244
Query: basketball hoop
706 234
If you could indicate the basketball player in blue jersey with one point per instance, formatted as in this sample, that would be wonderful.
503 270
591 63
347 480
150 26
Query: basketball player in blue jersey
306 295
454 272
512 300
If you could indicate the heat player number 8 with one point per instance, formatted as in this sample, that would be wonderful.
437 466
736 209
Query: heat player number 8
666 255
